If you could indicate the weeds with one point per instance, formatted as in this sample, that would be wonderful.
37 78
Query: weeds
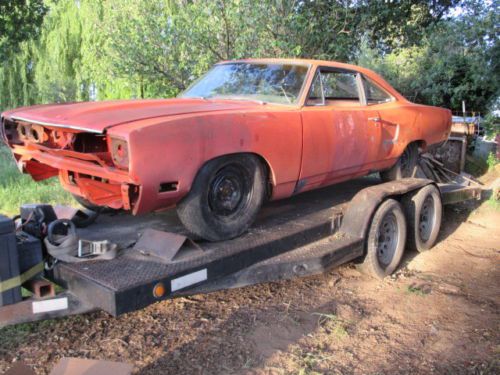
491 161
333 324
412 289
310 361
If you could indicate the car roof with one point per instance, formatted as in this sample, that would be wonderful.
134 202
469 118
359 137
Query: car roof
334 64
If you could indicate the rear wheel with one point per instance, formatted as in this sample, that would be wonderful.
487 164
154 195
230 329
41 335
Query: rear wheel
385 242
405 166
225 197
424 212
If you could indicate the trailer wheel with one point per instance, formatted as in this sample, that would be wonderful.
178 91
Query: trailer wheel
225 197
386 239
424 212
404 167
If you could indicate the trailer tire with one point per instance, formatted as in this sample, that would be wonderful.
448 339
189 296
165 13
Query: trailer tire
405 166
225 197
385 242
424 212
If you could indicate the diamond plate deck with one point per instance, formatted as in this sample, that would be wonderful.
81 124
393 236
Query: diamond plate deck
288 226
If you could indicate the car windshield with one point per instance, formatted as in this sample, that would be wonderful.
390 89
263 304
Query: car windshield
274 83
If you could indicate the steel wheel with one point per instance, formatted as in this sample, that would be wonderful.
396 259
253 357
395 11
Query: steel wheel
225 197
229 192
387 240
424 212
427 218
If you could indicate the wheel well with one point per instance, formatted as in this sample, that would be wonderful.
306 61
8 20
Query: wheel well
422 145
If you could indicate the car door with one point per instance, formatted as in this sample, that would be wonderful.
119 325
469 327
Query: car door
341 134
379 101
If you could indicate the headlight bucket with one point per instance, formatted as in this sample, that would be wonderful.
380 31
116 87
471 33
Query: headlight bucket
119 152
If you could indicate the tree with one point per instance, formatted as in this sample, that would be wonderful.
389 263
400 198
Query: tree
455 60
20 20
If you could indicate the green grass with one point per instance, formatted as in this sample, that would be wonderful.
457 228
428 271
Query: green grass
411 289
17 189
333 324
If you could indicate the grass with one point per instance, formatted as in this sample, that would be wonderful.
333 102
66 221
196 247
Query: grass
333 324
411 289
17 189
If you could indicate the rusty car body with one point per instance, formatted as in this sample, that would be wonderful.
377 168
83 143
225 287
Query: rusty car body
309 123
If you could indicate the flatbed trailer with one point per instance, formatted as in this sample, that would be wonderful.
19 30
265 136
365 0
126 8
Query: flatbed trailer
304 235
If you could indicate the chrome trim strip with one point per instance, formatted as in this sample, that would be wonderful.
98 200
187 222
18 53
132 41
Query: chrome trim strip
74 127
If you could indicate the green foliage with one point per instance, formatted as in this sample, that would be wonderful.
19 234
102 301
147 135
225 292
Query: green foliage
19 21
109 49
455 60
491 124
491 161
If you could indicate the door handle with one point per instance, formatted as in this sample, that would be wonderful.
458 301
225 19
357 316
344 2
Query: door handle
375 119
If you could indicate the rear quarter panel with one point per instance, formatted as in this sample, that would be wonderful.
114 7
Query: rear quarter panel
406 122
175 148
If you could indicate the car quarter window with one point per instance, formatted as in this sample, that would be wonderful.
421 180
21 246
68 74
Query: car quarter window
334 88
375 94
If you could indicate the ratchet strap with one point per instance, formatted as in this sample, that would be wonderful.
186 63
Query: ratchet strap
68 247
22 278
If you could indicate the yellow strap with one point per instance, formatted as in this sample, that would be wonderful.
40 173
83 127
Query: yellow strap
21 279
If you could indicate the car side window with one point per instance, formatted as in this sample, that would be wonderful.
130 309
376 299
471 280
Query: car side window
340 86
334 88
375 94
316 93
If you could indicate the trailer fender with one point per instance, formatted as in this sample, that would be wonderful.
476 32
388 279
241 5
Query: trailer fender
362 207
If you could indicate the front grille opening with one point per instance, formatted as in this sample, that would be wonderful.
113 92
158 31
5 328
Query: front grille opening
168 186
90 143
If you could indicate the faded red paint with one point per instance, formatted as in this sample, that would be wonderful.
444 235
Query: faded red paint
305 147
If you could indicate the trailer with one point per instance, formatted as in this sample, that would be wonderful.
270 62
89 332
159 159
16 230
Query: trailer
362 221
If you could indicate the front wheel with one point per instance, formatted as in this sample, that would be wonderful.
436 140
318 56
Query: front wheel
87 204
225 197
385 242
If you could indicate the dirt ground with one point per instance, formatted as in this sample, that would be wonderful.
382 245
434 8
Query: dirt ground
438 314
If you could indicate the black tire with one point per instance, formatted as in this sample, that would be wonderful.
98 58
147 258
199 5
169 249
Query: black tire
405 166
386 240
85 217
424 212
85 203
225 197
93 207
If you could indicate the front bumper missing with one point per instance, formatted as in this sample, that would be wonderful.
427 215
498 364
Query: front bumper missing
82 174
109 194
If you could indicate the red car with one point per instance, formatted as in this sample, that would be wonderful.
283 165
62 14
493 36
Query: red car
247 131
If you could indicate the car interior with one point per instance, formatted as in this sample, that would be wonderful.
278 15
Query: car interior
338 88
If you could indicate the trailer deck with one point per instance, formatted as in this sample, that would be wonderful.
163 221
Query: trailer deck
294 237
296 227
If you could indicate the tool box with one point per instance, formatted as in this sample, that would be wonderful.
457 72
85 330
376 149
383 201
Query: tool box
29 252
9 264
